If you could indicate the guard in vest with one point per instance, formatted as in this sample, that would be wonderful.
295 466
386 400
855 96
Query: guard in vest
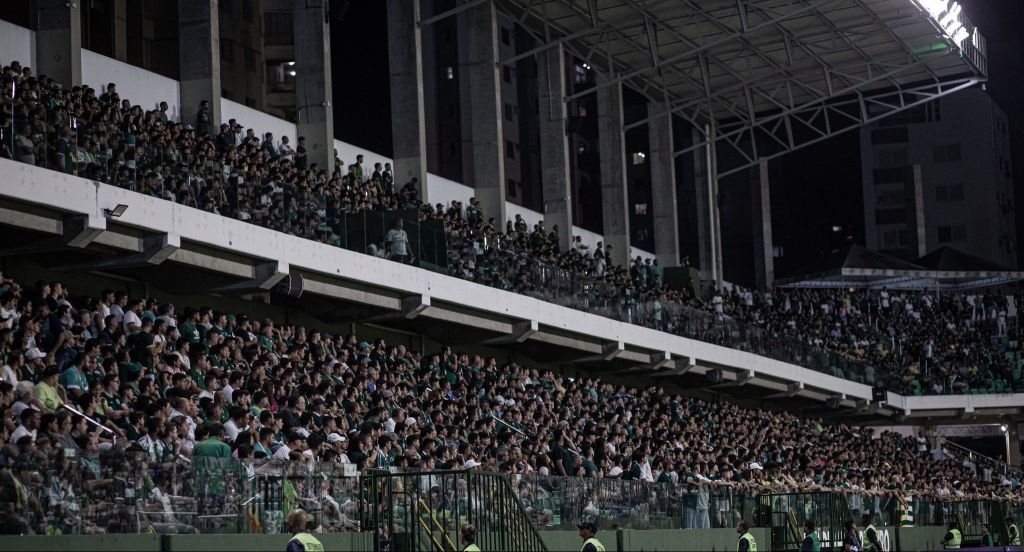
953 537
302 541
1012 531
811 541
870 542
590 543
747 542
986 536
469 539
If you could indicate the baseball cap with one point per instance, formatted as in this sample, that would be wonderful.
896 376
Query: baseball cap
34 353
335 438
588 525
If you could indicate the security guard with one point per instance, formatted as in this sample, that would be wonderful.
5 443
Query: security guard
302 541
1012 531
747 542
590 543
953 538
469 539
871 542
811 541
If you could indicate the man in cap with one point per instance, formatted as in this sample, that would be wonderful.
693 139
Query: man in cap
49 393
302 541
588 532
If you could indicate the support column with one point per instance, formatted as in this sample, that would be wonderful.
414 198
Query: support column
1013 442
313 91
917 232
408 128
614 195
59 41
663 186
199 59
761 208
554 144
119 30
705 183
482 134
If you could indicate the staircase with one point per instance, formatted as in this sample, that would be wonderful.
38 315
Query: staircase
426 511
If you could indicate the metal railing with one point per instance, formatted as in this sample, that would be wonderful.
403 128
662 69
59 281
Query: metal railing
426 511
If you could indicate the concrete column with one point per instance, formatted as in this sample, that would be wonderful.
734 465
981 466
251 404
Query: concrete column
480 80
614 195
119 29
408 128
59 41
1013 442
761 208
313 90
917 232
199 58
554 144
663 186
705 180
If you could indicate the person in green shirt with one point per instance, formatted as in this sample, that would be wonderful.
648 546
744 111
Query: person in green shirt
811 541
49 393
986 536
214 445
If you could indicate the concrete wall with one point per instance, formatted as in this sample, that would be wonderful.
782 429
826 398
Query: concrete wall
141 87
17 44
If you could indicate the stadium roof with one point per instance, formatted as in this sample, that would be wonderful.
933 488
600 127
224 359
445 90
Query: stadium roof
858 267
786 72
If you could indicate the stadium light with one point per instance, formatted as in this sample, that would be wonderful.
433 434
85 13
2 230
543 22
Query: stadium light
117 211
947 14
1003 428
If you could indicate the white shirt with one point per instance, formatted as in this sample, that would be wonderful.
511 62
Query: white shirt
20 432
7 373
231 429
282 452
132 319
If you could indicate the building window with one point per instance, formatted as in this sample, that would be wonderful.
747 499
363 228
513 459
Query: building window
890 199
277 28
250 59
449 72
639 158
506 109
948 153
890 216
226 7
891 158
506 73
451 149
640 209
510 149
950 192
893 239
579 74
956 232
227 50
506 36
893 135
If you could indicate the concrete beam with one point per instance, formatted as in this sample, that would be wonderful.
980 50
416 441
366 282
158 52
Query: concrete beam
614 195
743 377
265 275
313 87
199 60
663 187
410 307
153 250
480 83
59 41
657 362
408 118
351 294
609 351
554 144
75 231
679 369
521 331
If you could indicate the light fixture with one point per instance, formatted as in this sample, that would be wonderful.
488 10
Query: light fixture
1003 428
292 72
586 66
117 211
291 63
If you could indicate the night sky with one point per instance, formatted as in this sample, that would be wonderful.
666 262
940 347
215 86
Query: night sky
807 206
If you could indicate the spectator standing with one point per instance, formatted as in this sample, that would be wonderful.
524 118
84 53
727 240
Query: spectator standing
300 153
204 118
399 241
285 150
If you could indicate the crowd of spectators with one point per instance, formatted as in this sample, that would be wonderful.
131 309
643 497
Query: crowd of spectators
911 342
195 382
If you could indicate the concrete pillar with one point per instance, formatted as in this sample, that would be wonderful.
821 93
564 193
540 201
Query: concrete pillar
761 208
199 58
614 195
480 80
917 232
59 41
1013 442
119 29
313 90
705 180
663 186
408 128
554 144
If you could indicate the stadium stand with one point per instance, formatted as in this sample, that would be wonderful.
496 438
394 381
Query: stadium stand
911 342
136 386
